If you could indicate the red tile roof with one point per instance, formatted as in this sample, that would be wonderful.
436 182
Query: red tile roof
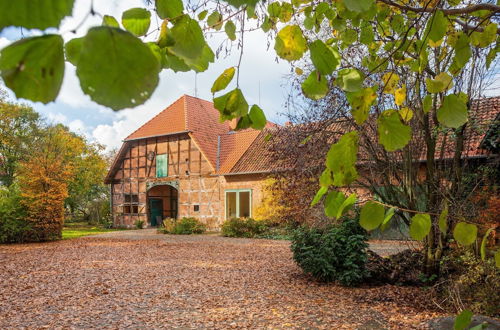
266 152
187 114
232 146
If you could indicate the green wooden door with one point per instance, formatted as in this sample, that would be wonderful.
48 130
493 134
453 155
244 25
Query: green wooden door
155 211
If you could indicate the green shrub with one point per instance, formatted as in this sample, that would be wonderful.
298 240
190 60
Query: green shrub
184 226
469 282
243 227
139 224
336 253
13 227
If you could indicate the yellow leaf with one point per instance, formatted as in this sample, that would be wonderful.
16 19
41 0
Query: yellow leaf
406 114
400 95
390 81
435 44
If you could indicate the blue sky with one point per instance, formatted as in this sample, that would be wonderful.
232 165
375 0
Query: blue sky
76 110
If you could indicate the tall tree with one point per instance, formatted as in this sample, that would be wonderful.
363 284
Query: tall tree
19 125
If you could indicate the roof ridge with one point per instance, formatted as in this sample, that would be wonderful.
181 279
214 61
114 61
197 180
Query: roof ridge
159 113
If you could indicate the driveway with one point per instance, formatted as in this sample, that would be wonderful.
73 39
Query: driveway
140 279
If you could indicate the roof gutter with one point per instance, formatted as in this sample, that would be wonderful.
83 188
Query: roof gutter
158 135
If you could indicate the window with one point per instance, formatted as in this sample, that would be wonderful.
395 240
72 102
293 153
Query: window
238 203
196 208
161 166
130 205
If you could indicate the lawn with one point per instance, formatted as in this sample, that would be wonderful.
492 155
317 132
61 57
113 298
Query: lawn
78 229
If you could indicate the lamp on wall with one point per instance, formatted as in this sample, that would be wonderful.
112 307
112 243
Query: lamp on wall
151 155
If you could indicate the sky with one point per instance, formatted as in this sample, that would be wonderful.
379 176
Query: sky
262 80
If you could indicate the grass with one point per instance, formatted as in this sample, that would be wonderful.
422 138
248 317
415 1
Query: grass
78 229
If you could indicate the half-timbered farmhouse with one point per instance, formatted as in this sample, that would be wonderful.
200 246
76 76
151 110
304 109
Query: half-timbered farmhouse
180 164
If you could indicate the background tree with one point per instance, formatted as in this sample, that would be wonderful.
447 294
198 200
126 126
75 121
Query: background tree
18 127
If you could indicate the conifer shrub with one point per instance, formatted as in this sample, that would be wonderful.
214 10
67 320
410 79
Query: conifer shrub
335 253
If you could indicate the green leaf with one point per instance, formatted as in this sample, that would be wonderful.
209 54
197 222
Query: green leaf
326 178
441 83
350 80
202 15
388 216
175 63
359 5
116 69
223 80
34 14
274 9
392 133
136 21
349 36
214 20
169 9
453 111
484 241
485 38
321 192
188 38
443 220
257 117
110 21
372 215
497 258
231 105
465 233
463 320
230 29
427 103
420 226
437 26
324 57
361 103
366 36
346 205
315 86
462 50
290 43
73 49
201 63
240 3
34 67
333 201
341 159
286 12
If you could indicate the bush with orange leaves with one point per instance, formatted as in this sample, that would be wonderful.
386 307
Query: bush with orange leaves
43 181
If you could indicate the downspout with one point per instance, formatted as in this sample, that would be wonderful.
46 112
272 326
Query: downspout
111 203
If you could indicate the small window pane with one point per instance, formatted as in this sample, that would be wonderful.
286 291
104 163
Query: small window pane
161 166
126 209
231 205
244 204
134 198
127 198
135 209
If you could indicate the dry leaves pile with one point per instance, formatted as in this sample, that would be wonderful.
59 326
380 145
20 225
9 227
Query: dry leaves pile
199 282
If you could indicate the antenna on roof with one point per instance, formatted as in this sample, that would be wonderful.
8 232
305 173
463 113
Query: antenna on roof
195 84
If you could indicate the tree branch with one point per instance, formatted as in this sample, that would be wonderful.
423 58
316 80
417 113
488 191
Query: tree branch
451 11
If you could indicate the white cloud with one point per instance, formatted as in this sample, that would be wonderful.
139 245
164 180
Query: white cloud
4 42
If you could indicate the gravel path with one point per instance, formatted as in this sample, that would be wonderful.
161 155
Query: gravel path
140 279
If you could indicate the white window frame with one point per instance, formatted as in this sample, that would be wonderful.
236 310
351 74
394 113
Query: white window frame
237 191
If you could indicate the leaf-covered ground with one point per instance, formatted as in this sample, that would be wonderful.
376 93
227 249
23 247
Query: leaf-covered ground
121 279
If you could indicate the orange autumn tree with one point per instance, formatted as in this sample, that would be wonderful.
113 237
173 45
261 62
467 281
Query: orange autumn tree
44 178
